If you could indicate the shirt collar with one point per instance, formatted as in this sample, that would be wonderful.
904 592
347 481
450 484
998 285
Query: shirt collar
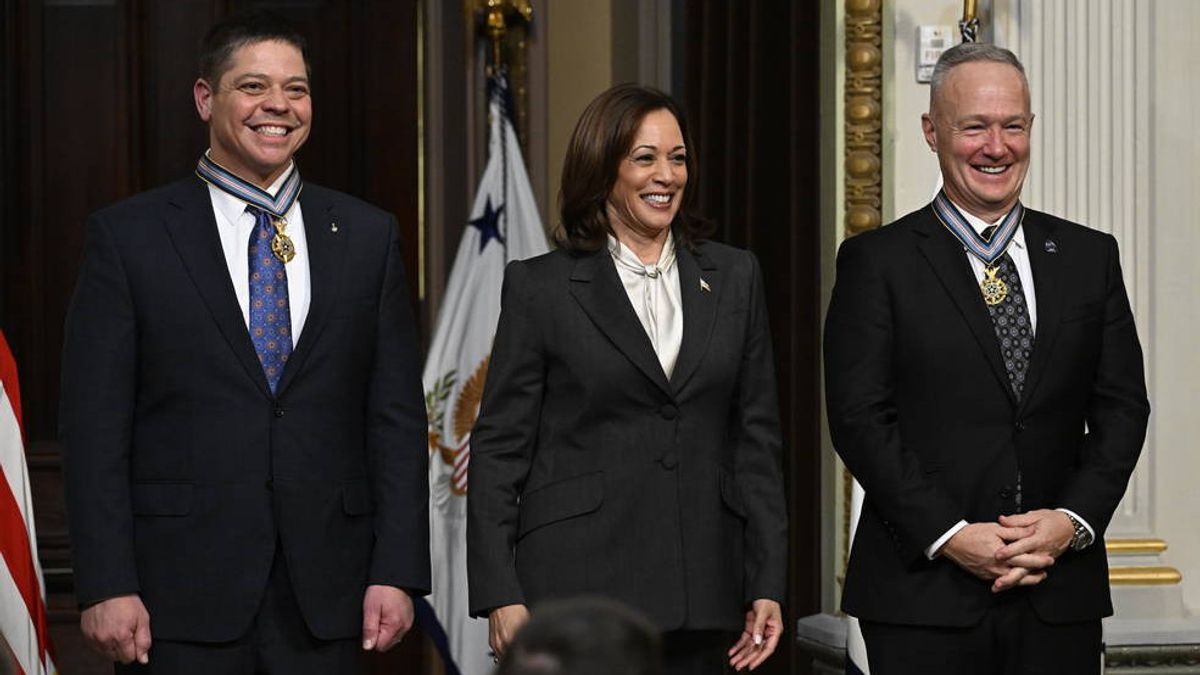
979 224
232 208
627 257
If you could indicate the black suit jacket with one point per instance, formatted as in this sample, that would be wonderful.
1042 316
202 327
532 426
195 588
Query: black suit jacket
184 471
592 473
921 411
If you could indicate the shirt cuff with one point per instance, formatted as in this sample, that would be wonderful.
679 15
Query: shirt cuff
1086 525
933 550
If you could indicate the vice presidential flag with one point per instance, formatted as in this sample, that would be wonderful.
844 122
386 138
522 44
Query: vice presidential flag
23 631
504 226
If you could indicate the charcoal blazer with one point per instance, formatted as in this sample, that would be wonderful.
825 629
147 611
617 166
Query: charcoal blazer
922 413
593 473
185 474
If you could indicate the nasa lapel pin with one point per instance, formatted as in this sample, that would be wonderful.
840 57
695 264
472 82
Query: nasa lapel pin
333 227
1051 247
705 287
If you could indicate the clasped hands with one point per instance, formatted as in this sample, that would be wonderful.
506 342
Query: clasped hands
1015 551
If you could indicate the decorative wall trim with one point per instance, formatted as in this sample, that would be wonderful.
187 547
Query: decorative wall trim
864 115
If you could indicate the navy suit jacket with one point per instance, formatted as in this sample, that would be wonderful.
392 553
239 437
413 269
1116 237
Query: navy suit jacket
185 475
921 411
593 473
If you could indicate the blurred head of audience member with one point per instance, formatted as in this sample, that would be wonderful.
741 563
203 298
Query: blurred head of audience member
584 636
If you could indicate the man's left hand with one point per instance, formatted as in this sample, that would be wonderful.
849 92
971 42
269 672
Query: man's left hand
387 616
1049 536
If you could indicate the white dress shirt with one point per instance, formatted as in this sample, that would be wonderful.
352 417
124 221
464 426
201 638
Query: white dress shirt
653 291
234 225
1019 253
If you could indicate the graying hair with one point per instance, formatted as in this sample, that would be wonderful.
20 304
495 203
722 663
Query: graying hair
971 52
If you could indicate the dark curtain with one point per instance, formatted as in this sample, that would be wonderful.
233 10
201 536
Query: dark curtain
750 86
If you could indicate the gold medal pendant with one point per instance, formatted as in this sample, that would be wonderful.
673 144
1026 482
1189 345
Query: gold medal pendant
281 244
994 289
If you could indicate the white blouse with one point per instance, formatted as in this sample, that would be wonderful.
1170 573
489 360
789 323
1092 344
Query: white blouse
654 292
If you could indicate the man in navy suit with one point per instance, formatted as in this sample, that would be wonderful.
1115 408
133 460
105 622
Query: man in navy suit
985 384
242 412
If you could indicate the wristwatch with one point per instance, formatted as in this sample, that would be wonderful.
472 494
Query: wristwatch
1081 539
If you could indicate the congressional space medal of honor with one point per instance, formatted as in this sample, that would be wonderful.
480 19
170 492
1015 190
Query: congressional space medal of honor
988 251
281 244
993 287
276 207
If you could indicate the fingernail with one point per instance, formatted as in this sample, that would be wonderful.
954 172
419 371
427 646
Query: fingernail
368 644
758 639
144 659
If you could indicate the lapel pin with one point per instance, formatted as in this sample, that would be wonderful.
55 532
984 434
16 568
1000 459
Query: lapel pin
1051 247
333 227
705 287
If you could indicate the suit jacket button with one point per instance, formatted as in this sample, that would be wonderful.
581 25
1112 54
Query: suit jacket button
669 460
668 412
1005 493
279 412
1020 425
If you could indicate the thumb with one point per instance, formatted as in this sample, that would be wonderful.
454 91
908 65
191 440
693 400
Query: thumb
141 640
760 624
370 629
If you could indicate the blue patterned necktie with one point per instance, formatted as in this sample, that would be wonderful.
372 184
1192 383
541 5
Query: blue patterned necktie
1011 320
270 316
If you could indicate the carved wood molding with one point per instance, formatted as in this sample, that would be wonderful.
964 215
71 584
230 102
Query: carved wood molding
864 115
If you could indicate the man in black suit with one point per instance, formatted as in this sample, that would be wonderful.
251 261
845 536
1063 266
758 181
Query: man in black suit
985 385
241 410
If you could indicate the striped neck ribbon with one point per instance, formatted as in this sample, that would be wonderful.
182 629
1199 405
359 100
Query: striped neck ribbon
224 180
987 250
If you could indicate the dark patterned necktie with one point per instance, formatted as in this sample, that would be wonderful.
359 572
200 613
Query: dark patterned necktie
270 316
1010 317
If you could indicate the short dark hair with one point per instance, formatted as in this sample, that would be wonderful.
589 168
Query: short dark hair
584 636
245 28
603 136
971 52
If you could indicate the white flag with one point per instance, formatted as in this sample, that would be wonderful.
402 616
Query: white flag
504 226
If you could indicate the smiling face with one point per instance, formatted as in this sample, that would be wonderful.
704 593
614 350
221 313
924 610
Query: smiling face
979 124
258 114
650 180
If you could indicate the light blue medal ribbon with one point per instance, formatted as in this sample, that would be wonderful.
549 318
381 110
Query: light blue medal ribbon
988 251
276 207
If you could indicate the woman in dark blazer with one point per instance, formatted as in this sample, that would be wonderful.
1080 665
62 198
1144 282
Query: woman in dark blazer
628 440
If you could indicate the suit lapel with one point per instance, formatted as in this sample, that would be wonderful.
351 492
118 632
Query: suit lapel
699 311
1047 277
598 290
326 253
949 262
193 232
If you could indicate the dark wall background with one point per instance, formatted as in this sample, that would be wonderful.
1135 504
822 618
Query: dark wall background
751 86
96 105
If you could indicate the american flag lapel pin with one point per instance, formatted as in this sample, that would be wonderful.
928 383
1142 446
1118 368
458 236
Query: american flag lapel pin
705 287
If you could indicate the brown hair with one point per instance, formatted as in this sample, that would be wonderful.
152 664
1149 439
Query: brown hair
602 137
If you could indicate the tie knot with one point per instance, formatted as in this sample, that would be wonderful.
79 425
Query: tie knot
988 232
